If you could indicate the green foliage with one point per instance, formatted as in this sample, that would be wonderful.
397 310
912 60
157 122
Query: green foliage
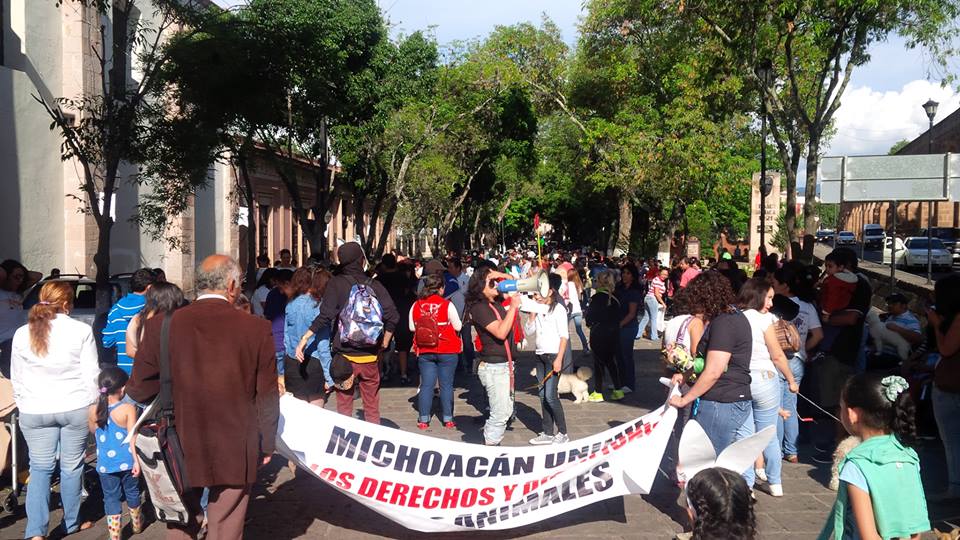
897 146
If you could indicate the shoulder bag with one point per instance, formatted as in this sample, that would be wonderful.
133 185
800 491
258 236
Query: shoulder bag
158 446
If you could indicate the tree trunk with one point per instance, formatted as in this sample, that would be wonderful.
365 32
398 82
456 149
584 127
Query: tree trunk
247 189
103 290
810 200
387 227
621 244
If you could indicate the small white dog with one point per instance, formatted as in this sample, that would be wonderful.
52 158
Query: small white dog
573 383
882 335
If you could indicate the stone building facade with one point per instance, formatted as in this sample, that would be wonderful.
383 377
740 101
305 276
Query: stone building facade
47 51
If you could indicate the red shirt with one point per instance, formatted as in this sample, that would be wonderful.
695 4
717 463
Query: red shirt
437 308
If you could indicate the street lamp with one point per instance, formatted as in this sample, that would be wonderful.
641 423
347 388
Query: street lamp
930 107
763 73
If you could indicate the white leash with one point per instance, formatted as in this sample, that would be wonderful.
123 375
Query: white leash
824 411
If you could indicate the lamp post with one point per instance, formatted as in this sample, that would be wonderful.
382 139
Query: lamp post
763 73
930 107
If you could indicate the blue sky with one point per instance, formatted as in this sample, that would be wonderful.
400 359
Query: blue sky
881 106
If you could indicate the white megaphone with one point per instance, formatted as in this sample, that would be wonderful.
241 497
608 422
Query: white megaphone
538 283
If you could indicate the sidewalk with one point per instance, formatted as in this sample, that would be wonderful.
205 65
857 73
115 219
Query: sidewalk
287 506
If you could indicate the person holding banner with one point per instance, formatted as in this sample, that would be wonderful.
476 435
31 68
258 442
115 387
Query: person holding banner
494 325
725 407
553 338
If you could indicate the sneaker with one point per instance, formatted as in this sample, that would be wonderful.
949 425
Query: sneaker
595 397
791 458
761 474
616 395
404 380
450 425
542 438
626 390
775 490
422 425
561 438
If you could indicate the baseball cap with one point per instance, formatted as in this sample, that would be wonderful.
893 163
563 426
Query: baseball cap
435 265
727 256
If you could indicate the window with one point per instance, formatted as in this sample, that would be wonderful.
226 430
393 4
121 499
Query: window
263 229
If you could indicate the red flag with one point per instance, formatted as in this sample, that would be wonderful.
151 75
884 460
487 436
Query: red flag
536 221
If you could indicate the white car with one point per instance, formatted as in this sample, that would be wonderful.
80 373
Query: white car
912 253
846 238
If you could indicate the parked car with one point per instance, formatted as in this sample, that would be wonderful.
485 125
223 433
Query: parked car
912 253
846 238
873 235
825 235
84 295
949 237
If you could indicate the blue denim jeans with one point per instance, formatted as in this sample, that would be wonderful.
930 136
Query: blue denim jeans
651 311
280 357
495 379
48 435
551 410
117 487
946 409
322 353
788 430
723 422
432 368
628 371
765 389
577 319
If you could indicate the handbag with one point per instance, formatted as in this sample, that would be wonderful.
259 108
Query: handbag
158 446
787 336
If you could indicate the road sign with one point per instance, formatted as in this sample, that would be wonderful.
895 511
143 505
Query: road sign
925 177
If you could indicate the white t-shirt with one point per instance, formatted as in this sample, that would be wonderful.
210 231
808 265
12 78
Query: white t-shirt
573 298
759 322
65 379
806 320
548 325
259 298
672 335
11 314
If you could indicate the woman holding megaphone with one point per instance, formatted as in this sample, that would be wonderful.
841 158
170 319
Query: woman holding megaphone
494 325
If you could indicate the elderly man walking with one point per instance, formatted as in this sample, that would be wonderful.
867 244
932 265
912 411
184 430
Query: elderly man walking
224 374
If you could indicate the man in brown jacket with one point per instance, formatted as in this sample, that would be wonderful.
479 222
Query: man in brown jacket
225 396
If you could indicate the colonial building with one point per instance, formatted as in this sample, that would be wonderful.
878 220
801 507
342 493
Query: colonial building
911 216
48 51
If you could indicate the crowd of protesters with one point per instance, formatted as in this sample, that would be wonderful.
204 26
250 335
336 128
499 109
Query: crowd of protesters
761 340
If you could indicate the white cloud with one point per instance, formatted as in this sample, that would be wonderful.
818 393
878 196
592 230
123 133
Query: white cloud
870 122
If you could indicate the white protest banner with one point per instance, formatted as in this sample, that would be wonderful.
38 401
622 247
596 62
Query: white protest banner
432 485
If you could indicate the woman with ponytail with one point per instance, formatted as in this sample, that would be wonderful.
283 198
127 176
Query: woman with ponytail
880 493
54 374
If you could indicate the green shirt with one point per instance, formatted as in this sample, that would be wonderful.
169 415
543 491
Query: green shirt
893 476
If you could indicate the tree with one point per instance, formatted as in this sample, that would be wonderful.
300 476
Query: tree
319 52
112 124
897 146
813 48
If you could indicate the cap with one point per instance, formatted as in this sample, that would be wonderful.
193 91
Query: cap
435 265
897 298
726 256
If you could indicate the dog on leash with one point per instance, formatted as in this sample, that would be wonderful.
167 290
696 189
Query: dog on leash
573 383
843 448
884 336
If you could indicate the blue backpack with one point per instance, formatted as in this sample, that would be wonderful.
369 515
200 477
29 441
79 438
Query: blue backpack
361 319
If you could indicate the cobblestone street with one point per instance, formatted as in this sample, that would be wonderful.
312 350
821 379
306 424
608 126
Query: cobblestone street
288 506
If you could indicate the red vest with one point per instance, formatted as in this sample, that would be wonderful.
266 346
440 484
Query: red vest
449 339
